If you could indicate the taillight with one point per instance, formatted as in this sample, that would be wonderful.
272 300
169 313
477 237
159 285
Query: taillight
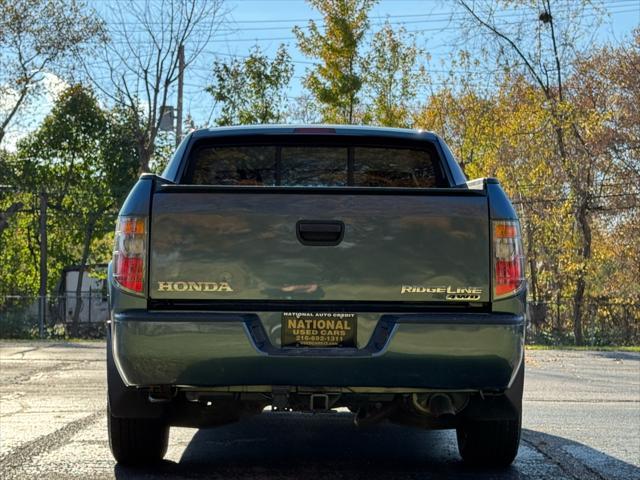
129 253
508 261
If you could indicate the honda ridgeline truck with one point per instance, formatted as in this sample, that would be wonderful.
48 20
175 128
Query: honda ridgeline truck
310 268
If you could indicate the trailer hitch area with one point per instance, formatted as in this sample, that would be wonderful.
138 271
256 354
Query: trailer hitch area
280 399
161 394
318 402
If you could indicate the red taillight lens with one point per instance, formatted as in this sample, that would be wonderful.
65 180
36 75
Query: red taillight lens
129 253
508 261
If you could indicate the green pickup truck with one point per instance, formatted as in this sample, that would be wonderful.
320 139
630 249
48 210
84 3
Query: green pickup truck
308 268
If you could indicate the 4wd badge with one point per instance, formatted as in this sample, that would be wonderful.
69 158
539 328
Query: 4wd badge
463 294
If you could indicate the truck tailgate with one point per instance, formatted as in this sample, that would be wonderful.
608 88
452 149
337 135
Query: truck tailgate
328 244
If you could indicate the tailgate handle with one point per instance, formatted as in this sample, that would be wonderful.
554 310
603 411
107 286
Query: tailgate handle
320 232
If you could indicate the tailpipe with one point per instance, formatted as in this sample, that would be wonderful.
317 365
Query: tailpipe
438 404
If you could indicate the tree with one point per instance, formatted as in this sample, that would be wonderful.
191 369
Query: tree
510 131
36 36
543 49
83 160
466 116
304 110
605 89
498 133
119 154
143 58
10 201
16 272
336 82
10 211
393 78
466 121
252 90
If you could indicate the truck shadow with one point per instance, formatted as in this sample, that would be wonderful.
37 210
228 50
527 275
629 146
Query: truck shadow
292 446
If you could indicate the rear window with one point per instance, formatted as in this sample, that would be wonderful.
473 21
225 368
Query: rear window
385 167
317 166
235 166
314 166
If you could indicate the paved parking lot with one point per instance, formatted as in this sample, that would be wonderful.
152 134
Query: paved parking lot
581 420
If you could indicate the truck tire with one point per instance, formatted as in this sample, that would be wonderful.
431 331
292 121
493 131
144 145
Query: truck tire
492 443
137 441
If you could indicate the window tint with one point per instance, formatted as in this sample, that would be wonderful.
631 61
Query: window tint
314 166
393 167
308 165
235 166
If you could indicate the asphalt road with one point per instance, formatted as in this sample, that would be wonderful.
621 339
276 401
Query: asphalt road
581 420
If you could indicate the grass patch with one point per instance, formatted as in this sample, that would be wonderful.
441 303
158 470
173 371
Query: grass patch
599 348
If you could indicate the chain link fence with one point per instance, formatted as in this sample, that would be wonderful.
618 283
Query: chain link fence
551 323
53 316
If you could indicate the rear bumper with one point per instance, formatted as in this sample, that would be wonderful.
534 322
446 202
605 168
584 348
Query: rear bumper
440 351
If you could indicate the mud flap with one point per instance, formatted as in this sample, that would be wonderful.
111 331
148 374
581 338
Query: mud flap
507 406
127 402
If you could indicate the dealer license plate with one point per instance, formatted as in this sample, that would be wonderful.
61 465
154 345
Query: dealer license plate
319 329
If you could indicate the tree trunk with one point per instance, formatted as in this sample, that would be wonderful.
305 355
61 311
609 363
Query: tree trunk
581 283
83 263
42 311
145 152
578 298
584 226
533 268
351 95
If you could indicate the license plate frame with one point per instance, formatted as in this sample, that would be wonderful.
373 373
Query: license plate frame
319 329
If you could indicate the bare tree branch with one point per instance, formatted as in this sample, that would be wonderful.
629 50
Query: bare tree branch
493 29
34 35
146 58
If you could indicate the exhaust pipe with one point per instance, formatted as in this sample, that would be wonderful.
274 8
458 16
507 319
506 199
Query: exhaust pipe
436 405
440 404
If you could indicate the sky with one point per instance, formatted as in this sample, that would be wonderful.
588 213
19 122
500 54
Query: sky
269 23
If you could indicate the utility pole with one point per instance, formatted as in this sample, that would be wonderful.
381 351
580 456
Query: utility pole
42 300
180 89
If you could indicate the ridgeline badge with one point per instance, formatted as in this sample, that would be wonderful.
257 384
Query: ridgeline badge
451 293
194 287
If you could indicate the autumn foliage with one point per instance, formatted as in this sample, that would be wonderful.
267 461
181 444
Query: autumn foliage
532 101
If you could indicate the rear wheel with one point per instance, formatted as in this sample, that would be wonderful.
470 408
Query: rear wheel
137 441
489 443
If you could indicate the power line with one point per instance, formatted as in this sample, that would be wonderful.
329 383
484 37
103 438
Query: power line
196 89
432 17
430 20
293 38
